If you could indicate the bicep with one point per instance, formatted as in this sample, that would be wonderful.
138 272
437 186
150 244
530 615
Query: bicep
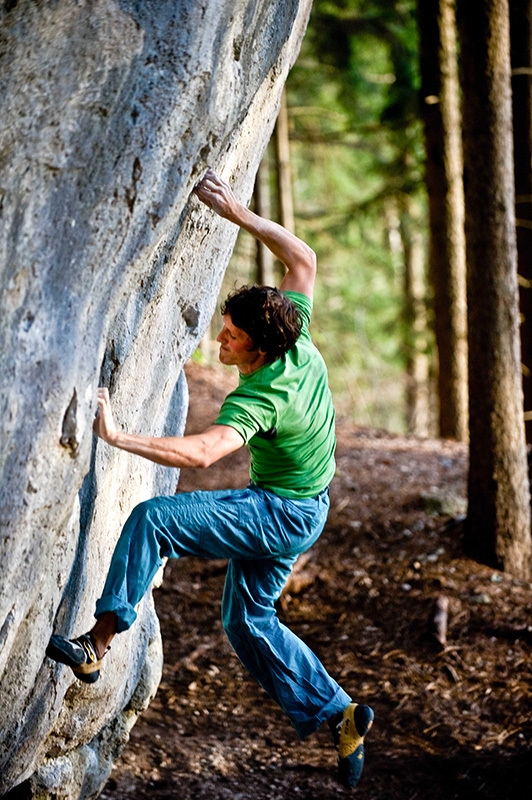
301 276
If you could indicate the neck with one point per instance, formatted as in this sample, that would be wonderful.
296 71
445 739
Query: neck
253 366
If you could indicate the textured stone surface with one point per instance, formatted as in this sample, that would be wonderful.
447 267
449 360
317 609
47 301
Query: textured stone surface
109 271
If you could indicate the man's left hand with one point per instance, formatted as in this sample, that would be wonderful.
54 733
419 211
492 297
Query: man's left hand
104 425
217 195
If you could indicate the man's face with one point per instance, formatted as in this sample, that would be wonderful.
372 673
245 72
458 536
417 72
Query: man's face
237 349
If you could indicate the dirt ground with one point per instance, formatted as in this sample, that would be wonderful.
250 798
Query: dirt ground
452 720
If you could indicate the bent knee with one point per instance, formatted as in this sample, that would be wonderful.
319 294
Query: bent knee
241 625
147 509
147 505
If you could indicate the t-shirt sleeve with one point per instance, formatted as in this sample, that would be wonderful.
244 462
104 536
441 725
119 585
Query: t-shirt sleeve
304 306
247 414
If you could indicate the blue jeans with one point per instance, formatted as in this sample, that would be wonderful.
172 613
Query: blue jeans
261 535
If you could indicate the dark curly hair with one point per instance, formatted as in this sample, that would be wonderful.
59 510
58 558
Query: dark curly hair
268 317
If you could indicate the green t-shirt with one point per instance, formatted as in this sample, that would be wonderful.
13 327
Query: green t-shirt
284 413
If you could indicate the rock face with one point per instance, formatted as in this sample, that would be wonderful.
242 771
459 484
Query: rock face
111 110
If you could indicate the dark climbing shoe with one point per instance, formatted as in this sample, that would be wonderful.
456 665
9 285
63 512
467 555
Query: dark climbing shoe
348 736
78 654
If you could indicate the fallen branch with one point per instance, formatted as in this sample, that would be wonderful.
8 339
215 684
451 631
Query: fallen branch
437 625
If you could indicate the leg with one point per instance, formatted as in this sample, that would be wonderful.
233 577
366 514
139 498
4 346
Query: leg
246 524
103 633
163 527
284 666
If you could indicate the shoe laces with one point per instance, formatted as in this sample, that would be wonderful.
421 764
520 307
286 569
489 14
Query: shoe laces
87 645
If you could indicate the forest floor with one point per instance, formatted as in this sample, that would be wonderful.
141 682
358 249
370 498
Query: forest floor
452 720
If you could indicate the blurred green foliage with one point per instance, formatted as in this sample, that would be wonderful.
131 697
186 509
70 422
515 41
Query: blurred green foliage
356 148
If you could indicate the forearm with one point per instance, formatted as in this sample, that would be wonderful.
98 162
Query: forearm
286 246
198 450
298 258
172 451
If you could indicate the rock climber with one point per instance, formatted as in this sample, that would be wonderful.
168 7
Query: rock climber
282 410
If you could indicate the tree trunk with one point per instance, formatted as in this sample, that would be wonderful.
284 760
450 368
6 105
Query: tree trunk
521 57
498 524
442 127
261 195
284 172
415 318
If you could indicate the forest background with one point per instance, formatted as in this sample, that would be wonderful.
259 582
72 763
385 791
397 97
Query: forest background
355 151
404 145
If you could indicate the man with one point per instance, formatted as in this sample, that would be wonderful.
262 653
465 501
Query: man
282 410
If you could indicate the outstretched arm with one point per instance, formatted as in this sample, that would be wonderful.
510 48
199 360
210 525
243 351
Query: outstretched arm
298 258
198 450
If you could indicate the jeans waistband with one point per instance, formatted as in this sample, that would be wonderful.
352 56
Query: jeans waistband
323 493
